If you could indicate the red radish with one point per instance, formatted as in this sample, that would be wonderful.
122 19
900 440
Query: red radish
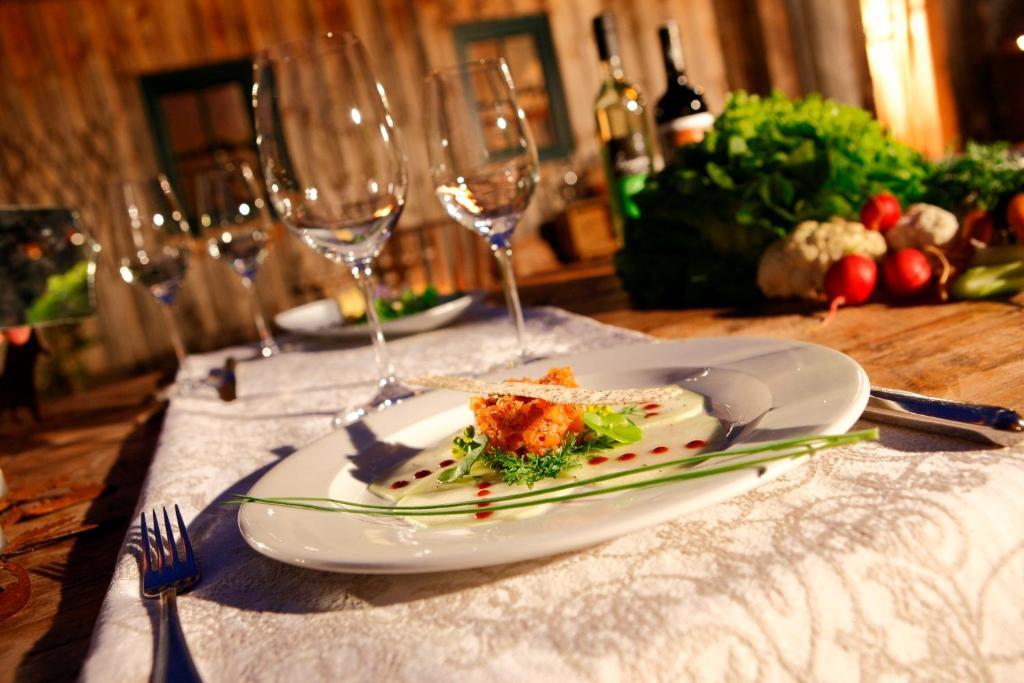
880 212
906 272
978 225
849 281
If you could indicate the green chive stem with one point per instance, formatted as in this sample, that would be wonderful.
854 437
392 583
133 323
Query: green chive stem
802 446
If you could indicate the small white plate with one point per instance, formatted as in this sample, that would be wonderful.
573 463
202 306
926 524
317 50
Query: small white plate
763 389
323 319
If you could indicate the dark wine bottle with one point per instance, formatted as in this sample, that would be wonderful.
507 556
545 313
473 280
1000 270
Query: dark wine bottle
681 114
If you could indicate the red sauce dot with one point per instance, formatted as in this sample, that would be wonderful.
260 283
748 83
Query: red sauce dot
483 505
484 515
399 484
652 406
660 449
597 460
421 474
650 415
696 443
483 484
481 494
626 456
446 463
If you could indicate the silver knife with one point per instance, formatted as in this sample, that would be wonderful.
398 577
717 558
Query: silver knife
992 425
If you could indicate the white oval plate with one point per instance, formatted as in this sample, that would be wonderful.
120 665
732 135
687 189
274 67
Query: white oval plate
764 389
322 318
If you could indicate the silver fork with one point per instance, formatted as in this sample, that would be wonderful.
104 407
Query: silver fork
166 574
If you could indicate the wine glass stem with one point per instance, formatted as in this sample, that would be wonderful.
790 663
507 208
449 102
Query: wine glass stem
172 331
266 339
363 274
185 383
503 252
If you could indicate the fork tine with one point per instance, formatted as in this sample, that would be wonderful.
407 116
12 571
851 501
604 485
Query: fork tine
170 539
189 555
145 543
159 541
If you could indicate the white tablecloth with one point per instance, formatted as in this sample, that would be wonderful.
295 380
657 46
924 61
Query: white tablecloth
901 559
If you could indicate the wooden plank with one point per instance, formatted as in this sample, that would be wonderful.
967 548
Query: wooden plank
972 351
104 437
780 55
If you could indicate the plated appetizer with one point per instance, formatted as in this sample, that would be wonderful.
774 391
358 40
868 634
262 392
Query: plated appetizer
533 444
547 433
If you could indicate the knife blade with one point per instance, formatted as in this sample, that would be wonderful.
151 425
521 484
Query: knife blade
993 425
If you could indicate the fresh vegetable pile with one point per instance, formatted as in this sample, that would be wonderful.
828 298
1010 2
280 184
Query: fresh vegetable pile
768 165
782 191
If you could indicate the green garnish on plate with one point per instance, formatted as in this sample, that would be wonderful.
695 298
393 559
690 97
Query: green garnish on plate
604 429
407 303
774 451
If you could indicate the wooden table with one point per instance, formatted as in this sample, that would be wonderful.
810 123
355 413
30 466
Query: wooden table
970 351
104 437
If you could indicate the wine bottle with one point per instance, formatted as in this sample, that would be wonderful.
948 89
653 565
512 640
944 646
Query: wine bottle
621 127
681 114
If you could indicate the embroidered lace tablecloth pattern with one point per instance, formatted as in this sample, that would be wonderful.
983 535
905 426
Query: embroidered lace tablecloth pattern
901 559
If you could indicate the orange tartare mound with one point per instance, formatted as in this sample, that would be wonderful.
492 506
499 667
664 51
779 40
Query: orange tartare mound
523 425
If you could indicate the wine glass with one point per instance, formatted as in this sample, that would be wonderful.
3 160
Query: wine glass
150 243
483 161
233 220
333 166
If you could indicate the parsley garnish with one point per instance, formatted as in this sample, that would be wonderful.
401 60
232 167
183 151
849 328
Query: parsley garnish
604 429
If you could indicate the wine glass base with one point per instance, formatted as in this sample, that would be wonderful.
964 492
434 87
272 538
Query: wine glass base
390 394
268 349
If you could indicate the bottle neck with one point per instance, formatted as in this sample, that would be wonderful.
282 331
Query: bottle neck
672 52
611 70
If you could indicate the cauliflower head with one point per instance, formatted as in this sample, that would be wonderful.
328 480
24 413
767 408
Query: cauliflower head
796 266
923 225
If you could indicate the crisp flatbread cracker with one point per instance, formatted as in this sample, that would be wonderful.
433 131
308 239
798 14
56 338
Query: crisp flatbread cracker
550 392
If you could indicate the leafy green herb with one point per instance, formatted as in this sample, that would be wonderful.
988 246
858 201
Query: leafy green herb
984 176
473 451
788 448
529 469
463 442
615 426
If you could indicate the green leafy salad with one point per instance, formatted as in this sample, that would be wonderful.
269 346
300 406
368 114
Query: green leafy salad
407 303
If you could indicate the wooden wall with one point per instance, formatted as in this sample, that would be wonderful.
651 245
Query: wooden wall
72 119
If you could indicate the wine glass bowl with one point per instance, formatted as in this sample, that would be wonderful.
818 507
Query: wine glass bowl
150 242
150 237
483 162
232 218
333 165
